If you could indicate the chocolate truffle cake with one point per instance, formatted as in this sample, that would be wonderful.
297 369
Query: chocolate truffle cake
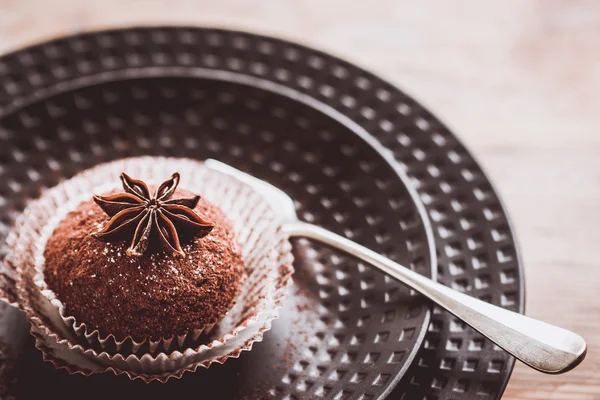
147 263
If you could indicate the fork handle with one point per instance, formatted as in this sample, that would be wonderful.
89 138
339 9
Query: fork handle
544 347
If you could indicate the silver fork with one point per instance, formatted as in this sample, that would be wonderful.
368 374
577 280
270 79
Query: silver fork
544 347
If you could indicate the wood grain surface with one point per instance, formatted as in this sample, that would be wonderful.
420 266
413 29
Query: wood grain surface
518 81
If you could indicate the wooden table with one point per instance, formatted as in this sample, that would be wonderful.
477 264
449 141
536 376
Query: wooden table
518 81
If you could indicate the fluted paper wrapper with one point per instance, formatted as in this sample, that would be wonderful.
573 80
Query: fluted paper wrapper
71 345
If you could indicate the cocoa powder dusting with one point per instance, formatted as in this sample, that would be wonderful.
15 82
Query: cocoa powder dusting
151 296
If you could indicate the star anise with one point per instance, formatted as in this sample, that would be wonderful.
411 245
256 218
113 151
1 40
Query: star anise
143 215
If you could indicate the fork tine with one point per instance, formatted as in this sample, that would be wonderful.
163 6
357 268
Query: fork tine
279 201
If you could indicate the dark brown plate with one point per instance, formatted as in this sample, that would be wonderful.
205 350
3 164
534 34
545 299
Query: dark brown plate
292 116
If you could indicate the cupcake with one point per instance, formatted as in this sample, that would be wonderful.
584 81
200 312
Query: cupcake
144 278
145 263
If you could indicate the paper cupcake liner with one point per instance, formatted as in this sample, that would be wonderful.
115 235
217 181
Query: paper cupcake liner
8 282
265 250
54 352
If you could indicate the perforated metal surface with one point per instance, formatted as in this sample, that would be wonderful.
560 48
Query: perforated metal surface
347 332
337 180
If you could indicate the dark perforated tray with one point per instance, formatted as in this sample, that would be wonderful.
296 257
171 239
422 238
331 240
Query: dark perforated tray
347 332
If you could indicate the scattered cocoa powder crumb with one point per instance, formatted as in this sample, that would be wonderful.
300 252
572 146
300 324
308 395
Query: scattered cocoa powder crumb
301 307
